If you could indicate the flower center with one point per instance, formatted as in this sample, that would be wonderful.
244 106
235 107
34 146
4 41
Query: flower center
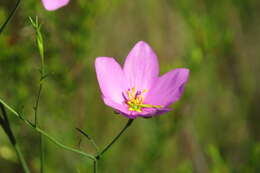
135 100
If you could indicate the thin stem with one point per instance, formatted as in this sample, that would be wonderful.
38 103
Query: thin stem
42 66
21 158
130 121
52 139
36 122
10 16
40 45
4 122
95 166
37 105
89 138
42 153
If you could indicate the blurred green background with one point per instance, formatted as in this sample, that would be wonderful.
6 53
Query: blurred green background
214 128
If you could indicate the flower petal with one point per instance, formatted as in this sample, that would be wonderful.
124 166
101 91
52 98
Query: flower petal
110 78
120 108
123 110
148 113
51 5
141 66
168 89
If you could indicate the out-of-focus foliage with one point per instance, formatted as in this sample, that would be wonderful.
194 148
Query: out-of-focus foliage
214 127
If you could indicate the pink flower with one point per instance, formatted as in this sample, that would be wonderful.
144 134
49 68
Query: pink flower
51 5
136 90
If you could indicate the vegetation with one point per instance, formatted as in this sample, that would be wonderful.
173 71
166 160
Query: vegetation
214 127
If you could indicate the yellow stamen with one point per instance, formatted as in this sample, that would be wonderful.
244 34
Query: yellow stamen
135 100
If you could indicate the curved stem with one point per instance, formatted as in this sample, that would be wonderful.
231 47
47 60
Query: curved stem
10 16
129 122
52 139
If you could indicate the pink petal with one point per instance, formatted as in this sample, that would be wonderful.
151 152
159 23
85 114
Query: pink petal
168 89
120 108
147 113
54 4
141 66
123 110
110 78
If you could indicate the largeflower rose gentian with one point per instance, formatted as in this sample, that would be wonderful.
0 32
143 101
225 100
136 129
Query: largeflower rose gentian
137 90
51 5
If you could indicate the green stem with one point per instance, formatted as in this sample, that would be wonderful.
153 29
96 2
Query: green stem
4 122
10 16
42 153
42 66
36 122
130 121
89 138
52 139
95 166
37 105
21 158
40 45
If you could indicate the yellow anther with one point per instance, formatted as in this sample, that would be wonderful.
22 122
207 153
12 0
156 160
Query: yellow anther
135 100
133 90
